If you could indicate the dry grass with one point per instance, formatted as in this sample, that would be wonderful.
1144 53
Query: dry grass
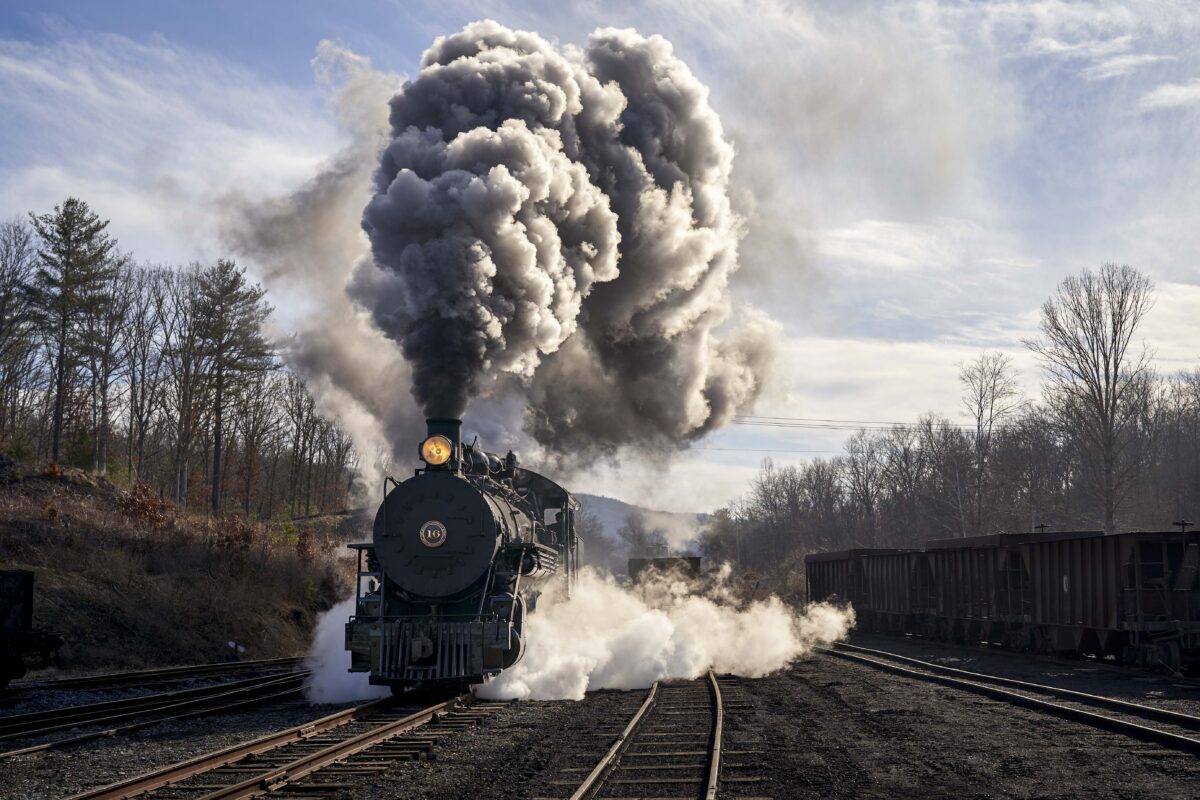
130 580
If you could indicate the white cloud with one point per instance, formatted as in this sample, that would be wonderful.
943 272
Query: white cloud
150 133
1170 327
1119 66
1172 95
1096 48
935 246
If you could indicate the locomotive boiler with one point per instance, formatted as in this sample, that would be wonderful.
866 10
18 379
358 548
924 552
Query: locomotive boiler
458 556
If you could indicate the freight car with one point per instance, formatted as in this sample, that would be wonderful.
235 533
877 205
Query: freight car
459 554
1134 597
18 638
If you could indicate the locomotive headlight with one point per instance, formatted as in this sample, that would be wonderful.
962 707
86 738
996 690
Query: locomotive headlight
436 450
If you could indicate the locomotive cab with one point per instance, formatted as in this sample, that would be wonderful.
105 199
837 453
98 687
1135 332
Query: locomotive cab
458 555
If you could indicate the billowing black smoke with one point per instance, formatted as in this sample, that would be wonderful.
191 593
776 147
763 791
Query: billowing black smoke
564 218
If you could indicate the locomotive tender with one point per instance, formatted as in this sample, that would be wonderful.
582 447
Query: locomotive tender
459 554
1132 596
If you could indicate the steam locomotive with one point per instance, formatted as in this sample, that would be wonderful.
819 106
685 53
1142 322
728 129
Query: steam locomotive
458 557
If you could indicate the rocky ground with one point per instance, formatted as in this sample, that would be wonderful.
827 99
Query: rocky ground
1080 675
54 774
825 728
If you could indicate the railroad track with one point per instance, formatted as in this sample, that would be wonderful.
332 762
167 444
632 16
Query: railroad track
134 713
671 747
154 677
1171 729
309 760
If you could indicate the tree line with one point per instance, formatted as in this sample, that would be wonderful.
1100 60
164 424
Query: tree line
152 374
1109 445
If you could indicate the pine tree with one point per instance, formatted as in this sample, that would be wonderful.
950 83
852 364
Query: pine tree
74 265
231 313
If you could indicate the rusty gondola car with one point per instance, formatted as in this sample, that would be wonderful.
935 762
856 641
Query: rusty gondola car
1134 597
19 640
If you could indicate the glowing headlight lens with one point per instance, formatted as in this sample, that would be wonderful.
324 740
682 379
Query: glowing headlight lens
436 450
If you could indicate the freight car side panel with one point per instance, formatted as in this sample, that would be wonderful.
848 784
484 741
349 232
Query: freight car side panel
16 601
888 581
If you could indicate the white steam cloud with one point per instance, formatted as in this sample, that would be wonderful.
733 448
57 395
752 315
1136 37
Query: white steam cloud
610 637
329 661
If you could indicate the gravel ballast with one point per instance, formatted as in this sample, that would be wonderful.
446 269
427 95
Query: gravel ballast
822 728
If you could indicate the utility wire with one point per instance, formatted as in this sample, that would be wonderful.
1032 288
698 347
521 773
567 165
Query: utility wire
812 423
757 450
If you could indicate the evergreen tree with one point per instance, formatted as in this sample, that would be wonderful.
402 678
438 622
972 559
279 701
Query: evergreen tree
67 287
231 313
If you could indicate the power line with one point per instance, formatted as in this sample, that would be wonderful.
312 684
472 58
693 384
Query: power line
813 423
818 419
763 450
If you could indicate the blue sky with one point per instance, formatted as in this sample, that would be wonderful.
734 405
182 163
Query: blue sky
915 177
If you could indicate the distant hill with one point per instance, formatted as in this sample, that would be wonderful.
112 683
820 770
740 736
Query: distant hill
680 529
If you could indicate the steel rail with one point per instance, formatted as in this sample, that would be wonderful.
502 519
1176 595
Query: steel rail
88 716
164 673
17 723
714 750
278 777
182 770
251 702
1166 715
595 779
1115 724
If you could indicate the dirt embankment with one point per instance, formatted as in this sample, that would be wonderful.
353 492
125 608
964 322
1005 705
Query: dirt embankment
130 580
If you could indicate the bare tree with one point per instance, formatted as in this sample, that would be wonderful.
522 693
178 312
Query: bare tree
144 353
301 414
18 261
187 368
991 394
640 539
864 479
1096 381
258 416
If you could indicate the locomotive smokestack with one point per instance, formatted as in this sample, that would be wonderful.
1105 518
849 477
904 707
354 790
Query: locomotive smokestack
445 426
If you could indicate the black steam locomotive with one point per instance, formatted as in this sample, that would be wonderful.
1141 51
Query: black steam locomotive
459 554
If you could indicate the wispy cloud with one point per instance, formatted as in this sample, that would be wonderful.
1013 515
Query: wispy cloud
1172 95
1118 66
899 245
1095 48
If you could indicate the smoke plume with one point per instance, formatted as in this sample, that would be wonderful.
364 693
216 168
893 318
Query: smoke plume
562 217
609 637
